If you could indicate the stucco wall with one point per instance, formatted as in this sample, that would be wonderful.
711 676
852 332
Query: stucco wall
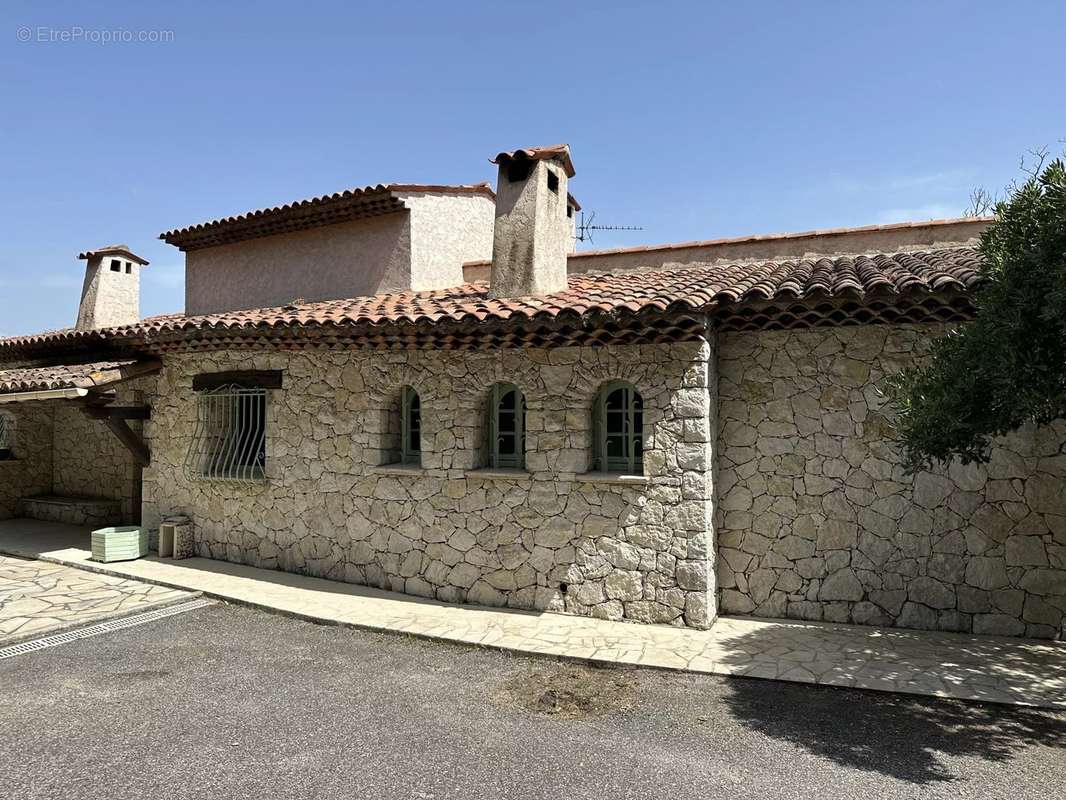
349 259
637 551
819 521
422 248
447 230
109 298
532 233
30 473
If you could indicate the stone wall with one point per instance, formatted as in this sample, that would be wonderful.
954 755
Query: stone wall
819 521
90 461
30 472
82 512
554 538
60 451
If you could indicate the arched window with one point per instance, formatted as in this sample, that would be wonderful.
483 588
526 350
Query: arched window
507 427
410 427
7 436
618 428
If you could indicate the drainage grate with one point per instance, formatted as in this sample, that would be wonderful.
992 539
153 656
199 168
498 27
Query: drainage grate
103 627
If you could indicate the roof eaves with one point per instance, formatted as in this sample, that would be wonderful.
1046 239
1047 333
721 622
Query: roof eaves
343 206
775 237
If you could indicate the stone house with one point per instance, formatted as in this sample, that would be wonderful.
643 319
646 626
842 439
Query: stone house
425 389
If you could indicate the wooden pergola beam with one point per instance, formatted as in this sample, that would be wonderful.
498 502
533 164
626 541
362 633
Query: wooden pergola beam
131 440
114 417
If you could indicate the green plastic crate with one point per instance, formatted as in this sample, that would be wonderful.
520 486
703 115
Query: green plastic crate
120 543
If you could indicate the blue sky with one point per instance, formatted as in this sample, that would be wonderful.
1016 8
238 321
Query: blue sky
694 120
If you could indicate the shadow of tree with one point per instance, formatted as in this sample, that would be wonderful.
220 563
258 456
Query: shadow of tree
982 668
907 737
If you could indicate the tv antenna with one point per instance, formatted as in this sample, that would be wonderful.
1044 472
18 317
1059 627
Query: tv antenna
586 227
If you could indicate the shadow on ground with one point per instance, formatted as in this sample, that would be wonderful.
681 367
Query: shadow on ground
900 736
904 736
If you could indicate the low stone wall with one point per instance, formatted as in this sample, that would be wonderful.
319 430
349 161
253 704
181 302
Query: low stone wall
554 538
819 521
84 512
30 472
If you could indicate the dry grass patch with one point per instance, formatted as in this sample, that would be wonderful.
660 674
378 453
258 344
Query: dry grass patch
570 691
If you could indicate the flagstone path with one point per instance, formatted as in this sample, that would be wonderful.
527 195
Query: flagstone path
37 598
962 666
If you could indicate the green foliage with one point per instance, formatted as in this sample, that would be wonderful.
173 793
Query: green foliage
1007 367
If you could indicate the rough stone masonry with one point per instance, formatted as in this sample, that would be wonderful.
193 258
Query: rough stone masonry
819 521
553 537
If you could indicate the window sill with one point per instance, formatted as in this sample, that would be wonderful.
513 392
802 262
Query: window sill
499 474
410 470
612 477
253 480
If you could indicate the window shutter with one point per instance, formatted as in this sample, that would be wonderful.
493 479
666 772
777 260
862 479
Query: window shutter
514 432
410 427
494 426
520 422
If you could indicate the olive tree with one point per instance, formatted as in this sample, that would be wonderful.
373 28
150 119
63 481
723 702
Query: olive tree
1008 366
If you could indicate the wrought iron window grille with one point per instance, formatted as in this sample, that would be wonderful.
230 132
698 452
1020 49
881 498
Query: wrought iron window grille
229 442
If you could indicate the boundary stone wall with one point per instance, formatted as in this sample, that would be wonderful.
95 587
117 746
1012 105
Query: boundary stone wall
818 520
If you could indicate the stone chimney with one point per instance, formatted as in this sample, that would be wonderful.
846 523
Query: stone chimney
532 234
111 294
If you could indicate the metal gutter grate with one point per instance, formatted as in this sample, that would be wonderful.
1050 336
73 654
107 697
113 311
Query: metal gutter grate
103 627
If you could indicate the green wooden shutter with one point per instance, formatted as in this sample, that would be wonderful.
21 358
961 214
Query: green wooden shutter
410 427
514 430
494 425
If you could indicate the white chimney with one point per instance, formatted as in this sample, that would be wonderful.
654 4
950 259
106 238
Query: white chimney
533 230
111 294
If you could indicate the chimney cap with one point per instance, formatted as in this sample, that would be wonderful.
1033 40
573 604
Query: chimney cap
560 152
113 250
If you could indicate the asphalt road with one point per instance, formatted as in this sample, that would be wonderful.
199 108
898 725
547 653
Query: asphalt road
232 703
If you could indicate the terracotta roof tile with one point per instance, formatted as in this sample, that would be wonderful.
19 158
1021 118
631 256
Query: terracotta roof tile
777 237
702 289
65 376
559 151
349 204
113 250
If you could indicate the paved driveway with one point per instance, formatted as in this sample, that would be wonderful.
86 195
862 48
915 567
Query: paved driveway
232 703
37 598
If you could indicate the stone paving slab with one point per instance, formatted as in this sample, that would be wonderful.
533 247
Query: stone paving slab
38 598
991 669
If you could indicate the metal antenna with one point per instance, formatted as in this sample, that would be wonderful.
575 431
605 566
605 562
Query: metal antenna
586 227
